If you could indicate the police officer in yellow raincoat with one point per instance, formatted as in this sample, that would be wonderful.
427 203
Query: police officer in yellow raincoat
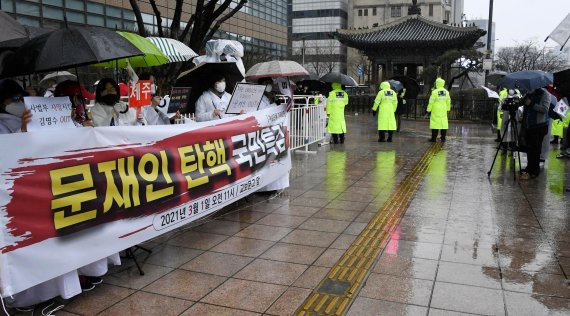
439 105
502 95
386 103
336 102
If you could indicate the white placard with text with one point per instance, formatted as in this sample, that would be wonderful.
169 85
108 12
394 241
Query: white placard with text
246 97
52 113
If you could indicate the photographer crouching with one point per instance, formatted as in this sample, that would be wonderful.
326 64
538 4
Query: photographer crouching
535 120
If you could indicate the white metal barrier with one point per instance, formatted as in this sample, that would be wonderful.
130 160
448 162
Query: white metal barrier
307 124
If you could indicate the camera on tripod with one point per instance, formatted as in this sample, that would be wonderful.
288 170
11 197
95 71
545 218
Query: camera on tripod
511 103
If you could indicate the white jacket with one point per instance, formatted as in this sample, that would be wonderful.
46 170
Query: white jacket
9 123
208 102
102 115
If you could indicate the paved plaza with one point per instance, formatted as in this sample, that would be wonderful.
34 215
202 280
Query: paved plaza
463 243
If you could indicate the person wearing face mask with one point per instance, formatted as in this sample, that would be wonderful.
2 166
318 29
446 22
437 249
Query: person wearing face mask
13 114
213 102
268 99
79 97
108 109
153 116
153 87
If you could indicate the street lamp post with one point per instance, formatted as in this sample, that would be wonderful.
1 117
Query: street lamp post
489 35
303 53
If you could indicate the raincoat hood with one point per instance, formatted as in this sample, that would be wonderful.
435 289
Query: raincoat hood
385 85
439 83
337 86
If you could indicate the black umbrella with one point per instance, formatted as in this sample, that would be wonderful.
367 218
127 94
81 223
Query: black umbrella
201 77
337 77
11 29
562 83
396 85
67 48
411 85
313 85
527 80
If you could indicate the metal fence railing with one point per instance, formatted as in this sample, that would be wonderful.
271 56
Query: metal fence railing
307 124
475 110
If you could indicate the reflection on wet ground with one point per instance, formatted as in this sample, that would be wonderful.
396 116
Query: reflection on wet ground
466 244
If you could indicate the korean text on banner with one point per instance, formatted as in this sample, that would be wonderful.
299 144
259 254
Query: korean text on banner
141 94
246 97
179 99
53 113
112 188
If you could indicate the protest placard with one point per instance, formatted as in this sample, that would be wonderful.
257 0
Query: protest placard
179 99
141 94
246 97
49 113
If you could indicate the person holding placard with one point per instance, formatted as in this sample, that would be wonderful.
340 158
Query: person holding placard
268 99
213 103
12 110
108 109
76 94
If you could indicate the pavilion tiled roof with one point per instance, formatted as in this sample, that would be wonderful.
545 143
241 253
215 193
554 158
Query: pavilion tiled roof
410 31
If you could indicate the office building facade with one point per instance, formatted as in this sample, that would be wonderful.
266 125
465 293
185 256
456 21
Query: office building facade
261 26
370 13
311 24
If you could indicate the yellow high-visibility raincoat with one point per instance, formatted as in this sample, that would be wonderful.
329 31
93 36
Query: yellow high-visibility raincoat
386 103
439 105
502 95
336 102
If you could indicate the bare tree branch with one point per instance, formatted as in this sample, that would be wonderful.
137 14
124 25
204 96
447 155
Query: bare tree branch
138 16
158 17
222 19
175 25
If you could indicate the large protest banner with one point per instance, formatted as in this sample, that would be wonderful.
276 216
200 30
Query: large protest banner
67 200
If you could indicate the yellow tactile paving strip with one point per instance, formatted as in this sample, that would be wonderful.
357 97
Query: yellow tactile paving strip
356 263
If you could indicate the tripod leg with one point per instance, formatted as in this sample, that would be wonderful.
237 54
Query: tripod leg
497 152
131 255
516 129
512 124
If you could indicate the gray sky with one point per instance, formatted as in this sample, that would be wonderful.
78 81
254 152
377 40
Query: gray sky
520 20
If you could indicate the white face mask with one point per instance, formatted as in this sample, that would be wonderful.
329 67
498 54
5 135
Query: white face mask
16 109
220 86
268 88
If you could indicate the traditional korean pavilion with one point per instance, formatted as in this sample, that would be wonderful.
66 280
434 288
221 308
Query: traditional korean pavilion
408 42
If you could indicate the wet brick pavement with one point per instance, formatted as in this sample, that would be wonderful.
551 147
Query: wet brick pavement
467 244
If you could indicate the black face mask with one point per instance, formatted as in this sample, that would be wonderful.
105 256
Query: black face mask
109 99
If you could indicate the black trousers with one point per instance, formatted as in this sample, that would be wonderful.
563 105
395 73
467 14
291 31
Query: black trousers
336 137
381 134
534 137
434 134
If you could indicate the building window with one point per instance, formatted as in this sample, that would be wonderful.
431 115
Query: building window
396 11
431 9
96 20
58 3
53 13
365 12
7 5
373 11
93 7
28 9
76 17
447 17
75 4
360 12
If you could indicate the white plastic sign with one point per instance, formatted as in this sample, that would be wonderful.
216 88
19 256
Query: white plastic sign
53 113
246 97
